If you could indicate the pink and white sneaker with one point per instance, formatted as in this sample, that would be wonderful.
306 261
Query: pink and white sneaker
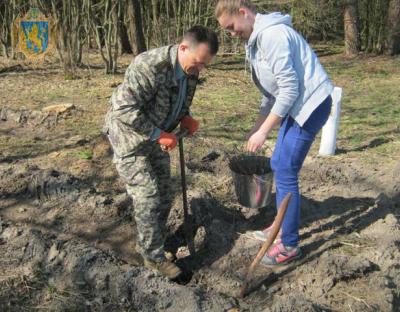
279 254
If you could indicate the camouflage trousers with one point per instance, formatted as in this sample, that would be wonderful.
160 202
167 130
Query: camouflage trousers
146 173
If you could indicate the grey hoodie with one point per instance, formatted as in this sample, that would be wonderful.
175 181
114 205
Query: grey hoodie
285 69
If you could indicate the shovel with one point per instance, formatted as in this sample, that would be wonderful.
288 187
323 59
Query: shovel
187 225
270 239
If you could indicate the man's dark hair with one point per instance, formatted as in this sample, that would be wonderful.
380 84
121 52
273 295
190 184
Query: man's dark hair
200 34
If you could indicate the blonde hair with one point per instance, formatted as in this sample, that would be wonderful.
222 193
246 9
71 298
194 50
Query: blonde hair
232 7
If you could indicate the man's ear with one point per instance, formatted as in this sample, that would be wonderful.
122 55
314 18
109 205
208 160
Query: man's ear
243 12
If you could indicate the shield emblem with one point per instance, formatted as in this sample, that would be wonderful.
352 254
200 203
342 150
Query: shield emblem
33 33
34 36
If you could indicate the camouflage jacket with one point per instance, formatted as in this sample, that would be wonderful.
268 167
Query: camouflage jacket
144 100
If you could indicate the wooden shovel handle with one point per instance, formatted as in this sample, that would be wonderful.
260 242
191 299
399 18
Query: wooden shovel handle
276 226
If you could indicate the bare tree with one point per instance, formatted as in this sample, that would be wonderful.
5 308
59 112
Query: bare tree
70 28
123 33
106 27
374 22
393 40
138 42
351 32
5 30
8 35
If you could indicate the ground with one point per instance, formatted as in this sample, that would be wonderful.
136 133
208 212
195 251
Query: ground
66 229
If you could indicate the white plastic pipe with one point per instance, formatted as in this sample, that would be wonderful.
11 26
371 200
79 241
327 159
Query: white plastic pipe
329 131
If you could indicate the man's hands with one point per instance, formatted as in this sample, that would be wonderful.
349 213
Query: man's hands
192 125
168 141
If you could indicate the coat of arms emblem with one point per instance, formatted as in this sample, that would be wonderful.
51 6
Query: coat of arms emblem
34 32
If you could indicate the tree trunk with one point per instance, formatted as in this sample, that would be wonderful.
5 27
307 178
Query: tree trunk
351 33
157 33
77 39
4 30
14 31
367 25
124 39
123 31
136 27
4 47
61 15
111 11
393 40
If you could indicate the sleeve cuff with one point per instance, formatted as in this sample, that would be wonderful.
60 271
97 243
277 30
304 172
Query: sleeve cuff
155 134
280 110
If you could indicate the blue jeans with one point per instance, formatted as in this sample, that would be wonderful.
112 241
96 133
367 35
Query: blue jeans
291 149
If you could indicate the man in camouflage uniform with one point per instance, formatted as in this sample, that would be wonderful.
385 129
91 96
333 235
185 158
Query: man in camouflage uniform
154 98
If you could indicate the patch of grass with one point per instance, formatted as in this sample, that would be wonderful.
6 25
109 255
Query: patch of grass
323 49
24 147
227 105
357 138
84 154
389 150
21 292
36 293
51 289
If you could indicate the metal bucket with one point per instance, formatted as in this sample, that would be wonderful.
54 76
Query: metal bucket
252 177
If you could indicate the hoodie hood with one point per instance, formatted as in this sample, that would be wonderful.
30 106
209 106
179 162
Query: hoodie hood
264 21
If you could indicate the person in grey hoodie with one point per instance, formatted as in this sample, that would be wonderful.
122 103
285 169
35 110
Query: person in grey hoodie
295 95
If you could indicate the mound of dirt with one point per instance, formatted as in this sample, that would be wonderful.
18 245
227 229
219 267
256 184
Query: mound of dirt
291 303
86 278
67 243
